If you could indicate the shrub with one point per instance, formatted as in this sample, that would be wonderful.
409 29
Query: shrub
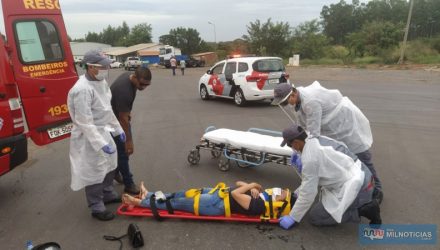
419 48
322 61
436 44
431 59
368 60
338 52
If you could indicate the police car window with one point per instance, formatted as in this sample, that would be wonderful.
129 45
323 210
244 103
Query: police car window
230 68
38 41
218 69
270 65
242 67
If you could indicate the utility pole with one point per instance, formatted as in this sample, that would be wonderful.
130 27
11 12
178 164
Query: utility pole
408 21
215 35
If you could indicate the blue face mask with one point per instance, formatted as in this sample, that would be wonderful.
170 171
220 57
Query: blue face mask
295 161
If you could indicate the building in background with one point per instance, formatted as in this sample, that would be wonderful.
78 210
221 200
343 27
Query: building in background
80 48
121 54
208 57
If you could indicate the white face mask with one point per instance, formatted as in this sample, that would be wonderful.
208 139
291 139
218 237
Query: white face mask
102 74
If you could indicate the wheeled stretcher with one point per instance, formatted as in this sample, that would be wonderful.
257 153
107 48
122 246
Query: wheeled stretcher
246 148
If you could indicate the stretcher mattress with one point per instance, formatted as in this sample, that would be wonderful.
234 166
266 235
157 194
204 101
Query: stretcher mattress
146 212
248 140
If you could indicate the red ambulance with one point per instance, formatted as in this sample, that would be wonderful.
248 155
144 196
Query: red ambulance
36 73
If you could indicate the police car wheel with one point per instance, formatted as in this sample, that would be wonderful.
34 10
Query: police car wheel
204 93
194 157
239 98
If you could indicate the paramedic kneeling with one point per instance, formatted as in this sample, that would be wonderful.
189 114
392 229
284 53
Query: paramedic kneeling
345 183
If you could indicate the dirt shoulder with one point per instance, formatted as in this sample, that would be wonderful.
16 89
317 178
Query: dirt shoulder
427 67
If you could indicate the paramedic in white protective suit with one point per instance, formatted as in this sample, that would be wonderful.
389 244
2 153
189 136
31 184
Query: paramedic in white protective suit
92 148
326 112
344 182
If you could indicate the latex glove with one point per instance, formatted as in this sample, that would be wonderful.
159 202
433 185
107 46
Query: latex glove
108 149
286 222
122 137
295 160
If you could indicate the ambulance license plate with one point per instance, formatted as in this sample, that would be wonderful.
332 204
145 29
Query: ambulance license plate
274 81
59 131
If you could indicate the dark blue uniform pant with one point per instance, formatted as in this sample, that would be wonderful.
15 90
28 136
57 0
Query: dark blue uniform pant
123 166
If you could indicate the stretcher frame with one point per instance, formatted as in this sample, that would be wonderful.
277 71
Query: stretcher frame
147 212
243 157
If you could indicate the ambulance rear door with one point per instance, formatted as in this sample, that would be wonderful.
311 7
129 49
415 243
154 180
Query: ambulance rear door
43 65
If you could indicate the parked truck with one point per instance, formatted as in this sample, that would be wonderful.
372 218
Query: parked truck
36 72
167 52
193 62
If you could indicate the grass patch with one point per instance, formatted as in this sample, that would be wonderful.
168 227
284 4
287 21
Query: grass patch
368 60
427 59
322 61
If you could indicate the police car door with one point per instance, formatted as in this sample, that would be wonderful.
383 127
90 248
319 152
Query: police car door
43 65
216 77
230 70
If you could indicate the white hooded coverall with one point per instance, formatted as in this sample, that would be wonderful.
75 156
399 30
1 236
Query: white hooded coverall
93 120
338 176
326 112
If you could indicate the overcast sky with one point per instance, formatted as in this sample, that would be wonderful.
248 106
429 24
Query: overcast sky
230 17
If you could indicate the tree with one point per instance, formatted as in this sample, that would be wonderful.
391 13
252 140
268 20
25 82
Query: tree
187 39
168 40
140 33
269 38
236 47
338 20
93 37
375 37
308 41
108 35
122 34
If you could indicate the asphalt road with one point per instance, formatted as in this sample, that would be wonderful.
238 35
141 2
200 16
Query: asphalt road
36 202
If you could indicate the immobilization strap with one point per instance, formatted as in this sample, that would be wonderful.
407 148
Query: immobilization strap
223 192
114 238
169 207
196 204
282 209
154 208
195 194
271 207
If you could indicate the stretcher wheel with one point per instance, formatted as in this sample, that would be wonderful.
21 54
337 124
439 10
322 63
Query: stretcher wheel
216 154
194 157
224 164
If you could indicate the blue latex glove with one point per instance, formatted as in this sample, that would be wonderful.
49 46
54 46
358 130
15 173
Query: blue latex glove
295 160
286 222
122 137
108 149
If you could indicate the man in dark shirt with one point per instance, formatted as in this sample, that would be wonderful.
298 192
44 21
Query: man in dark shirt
123 94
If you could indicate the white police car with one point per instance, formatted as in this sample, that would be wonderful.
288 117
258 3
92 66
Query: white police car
243 79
